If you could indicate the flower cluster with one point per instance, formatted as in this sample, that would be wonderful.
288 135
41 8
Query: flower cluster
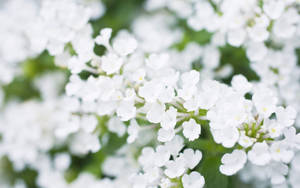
30 28
163 97
152 90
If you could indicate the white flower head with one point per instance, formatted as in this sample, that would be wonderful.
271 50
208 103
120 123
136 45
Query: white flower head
246 141
264 101
192 158
259 154
286 117
169 119
162 155
115 125
190 78
165 135
156 112
233 162
124 43
193 180
103 38
175 168
236 37
280 152
88 123
175 145
126 110
191 129
157 61
241 84
147 158
111 63
227 137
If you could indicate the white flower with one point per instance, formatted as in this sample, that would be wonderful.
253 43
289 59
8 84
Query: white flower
193 180
167 94
152 174
258 33
165 183
115 125
264 101
285 26
165 135
157 61
274 128
71 126
191 130
191 158
280 152
62 161
227 137
187 92
126 110
233 162
292 138
76 65
246 141
83 142
150 91
138 75
211 57
124 43
277 172
256 51
111 63
155 113
175 145
88 123
103 38
274 8
259 154
295 165
241 84
162 155
133 131
192 104
286 117
139 180
175 168
106 107
147 158
169 119
236 37
190 78
210 93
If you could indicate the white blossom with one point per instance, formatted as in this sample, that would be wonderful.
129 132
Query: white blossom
193 180
191 130
233 162
259 154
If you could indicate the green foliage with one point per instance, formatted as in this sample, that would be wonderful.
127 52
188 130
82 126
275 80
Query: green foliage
27 175
22 87
34 67
209 168
237 58
119 15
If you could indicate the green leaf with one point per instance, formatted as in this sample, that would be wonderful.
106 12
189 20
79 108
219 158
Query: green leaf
209 168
